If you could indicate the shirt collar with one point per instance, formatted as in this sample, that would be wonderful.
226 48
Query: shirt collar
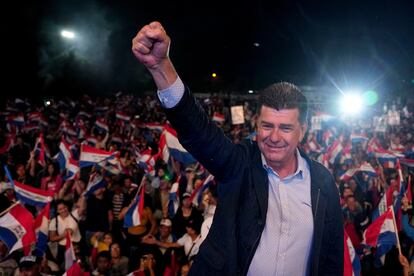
299 170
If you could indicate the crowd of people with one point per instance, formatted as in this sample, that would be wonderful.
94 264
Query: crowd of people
370 160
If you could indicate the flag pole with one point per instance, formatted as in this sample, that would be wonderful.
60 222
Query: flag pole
10 207
396 230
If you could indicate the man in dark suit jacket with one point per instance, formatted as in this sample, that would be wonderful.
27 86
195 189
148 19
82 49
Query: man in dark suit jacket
278 212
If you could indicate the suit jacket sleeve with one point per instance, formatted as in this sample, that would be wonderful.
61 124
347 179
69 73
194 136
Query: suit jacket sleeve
202 138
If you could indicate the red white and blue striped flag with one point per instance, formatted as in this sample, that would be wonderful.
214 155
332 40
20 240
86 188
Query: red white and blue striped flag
133 215
352 264
41 226
16 228
90 156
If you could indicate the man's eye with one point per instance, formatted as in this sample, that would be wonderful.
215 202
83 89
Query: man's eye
287 129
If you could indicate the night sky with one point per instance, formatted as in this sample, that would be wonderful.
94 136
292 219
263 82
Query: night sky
249 44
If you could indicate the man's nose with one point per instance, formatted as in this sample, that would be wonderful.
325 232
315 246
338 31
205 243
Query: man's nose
275 135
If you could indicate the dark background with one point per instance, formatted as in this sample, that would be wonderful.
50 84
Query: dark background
337 44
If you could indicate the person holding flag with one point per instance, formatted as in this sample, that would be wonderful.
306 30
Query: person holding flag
279 211
65 221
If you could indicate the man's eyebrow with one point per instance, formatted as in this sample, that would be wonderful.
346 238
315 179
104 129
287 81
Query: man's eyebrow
286 125
267 123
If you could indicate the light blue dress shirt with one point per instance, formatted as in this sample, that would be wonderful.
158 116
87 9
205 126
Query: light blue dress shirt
286 240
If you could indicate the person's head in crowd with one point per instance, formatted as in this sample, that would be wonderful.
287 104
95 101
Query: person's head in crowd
62 208
117 186
165 228
165 183
103 262
20 170
212 194
347 192
19 140
193 227
353 184
186 202
352 204
161 172
107 238
128 182
100 136
29 266
188 171
115 250
148 262
52 169
281 106
198 181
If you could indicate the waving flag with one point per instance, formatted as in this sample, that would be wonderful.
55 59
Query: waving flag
153 126
72 171
352 265
64 155
28 194
348 174
196 196
346 157
174 200
381 208
70 258
334 152
31 195
16 228
112 165
102 125
387 159
407 162
169 144
381 234
96 182
218 117
358 138
41 226
90 156
39 148
368 169
16 120
8 144
133 215
146 160
29 127
75 270
324 159
122 116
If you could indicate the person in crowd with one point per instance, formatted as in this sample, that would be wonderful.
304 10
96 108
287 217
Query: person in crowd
98 213
103 264
185 213
190 241
20 152
50 179
29 266
65 221
119 263
259 179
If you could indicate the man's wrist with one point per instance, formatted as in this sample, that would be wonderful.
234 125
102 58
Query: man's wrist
164 74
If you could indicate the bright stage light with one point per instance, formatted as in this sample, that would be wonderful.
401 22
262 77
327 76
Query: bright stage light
67 34
351 103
